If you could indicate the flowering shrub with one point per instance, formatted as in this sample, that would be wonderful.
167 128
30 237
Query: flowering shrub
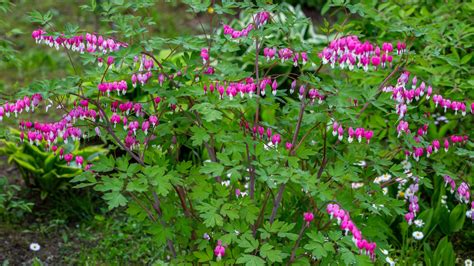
238 145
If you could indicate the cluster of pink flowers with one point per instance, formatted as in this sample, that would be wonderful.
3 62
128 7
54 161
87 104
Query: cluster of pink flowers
133 126
260 19
248 86
449 181
453 105
235 34
50 132
118 86
90 43
403 127
359 133
313 94
16 108
421 132
69 157
81 112
344 220
285 54
127 107
413 206
435 146
403 96
144 71
274 138
219 251
110 61
64 129
462 192
350 52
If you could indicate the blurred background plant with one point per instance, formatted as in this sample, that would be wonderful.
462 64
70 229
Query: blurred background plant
13 206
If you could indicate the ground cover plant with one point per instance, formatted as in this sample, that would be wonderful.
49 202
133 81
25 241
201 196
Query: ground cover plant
265 138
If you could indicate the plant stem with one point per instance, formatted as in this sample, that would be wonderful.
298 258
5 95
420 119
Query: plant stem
279 196
255 122
293 251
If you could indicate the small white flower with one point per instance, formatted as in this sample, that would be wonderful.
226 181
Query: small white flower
236 232
385 190
384 251
357 185
268 146
390 261
417 235
35 247
419 223
469 213
225 183
361 163
468 262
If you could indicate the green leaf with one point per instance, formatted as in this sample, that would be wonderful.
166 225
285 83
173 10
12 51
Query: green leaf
208 112
114 199
267 251
133 169
140 185
202 256
212 168
110 184
456 218
250 260
104 164
122 163
229 211
199 135
248 243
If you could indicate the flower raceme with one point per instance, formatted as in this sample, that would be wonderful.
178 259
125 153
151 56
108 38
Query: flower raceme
285 54
20 105
451 104
119 86
358 133
145 65
347 225
248 86
436 145
260 132
405 92
350 52
89 43
259 19
462 192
